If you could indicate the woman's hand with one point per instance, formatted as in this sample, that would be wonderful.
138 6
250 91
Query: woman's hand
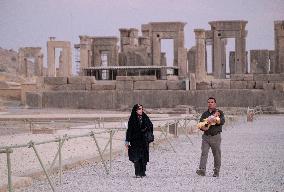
127 144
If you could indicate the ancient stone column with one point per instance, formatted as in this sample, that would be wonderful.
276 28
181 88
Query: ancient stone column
279 46
67 69
85 59
51 71
240 43
200 71
64 62
59 71
191 54
208 44
178 43
232 63
156 50
182 53
217 56
182 56
39 65
223 58
25 68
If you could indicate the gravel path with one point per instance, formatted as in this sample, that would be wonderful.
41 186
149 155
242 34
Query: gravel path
252 160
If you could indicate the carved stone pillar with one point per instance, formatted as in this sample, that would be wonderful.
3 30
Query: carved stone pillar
217 56
200 71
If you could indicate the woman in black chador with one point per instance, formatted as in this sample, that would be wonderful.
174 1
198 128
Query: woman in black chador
138 148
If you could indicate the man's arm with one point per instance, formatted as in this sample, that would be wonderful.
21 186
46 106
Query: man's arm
222 118
202 117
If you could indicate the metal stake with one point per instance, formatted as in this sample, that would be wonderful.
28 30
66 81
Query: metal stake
41 163
101 155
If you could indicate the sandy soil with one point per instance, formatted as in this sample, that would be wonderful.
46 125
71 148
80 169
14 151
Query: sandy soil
252 160
24 161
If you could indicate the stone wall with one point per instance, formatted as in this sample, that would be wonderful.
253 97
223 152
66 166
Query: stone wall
112 99
244 81
85 92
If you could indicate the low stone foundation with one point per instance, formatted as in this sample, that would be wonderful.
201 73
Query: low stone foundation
113 99
11 93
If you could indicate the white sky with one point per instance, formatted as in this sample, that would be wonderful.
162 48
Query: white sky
26 23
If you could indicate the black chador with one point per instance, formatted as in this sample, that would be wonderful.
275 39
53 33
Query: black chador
138 151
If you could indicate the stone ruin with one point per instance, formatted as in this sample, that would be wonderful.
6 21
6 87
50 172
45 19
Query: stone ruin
65 58
112 76
30 61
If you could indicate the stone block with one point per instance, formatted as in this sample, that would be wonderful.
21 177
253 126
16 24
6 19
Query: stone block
259 84
203 85
11 93
241 77
103 99
3 77
172 78
4 85
82 80
176 85
34 100
276 77
27 88
48 87
220 84
237 77
268 86
125 41
238 85
125 85
55 80
89 86
250 84
260 77
150 85
104 85
248 77
13 84
279 86
69 87
137 78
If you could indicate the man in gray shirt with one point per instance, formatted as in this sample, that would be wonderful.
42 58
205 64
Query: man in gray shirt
211 137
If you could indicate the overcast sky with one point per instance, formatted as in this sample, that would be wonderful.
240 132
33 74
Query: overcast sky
25 23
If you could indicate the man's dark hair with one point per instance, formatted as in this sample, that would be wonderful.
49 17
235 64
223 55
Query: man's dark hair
212 98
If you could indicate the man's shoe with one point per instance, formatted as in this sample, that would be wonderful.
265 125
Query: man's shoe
200 172
216 174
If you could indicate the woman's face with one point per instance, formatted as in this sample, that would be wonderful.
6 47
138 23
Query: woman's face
139 110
